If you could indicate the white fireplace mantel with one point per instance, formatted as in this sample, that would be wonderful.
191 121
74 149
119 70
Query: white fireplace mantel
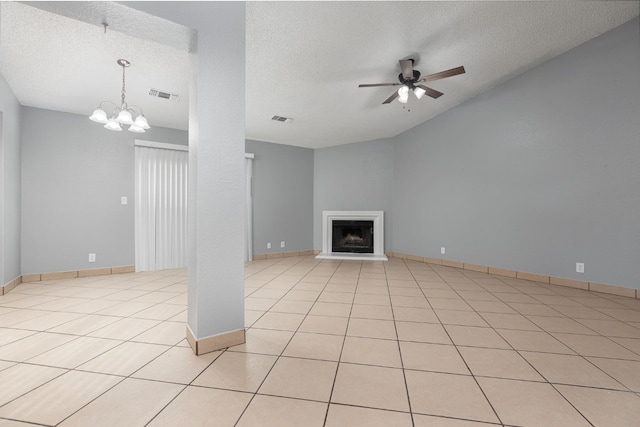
378 234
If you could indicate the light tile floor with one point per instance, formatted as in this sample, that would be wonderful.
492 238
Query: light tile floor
329 343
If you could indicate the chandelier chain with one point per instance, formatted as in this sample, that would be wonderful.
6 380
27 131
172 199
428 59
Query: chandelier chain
123 85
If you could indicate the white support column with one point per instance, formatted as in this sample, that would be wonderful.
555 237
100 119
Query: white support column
216 170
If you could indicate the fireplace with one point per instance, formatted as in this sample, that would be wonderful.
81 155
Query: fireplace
352 236
357 235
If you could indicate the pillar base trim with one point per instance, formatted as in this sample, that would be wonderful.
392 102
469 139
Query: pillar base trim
216 342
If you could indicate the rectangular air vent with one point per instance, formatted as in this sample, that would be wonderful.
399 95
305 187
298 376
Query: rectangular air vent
282 119
164 95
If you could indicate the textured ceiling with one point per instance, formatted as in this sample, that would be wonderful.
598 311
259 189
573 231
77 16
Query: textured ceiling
304 59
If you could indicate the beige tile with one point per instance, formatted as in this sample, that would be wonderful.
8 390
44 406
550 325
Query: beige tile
124 308
124 329
370 351
448 395
422 332
534 341
85 324
502 272
264 341
371 328
408 301
473 336
432 357
22 378
203 407
315 346
279 321
455 317
449 304
237 371
509 321
167 333
560 324
74 353
292 306
596 346
91 306
56 400
160 312
532 277
132 402
520 403
629 343
176 365
4 365
269 411
300 378
568 369
352 416
324 325
534 309
604 408
8 336
626 372
491 362
32 345
429 421
156 297
612 328
331 309
370 386
381 312
124 359
48 321
340 297
491 307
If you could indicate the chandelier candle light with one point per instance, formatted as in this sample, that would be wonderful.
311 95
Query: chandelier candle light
123 114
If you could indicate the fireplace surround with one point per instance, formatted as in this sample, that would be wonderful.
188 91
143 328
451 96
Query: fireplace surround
361 235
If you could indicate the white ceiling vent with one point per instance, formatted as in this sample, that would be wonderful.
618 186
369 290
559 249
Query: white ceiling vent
165 95
282 119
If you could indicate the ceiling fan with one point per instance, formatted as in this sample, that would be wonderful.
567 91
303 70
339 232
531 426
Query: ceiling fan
410 80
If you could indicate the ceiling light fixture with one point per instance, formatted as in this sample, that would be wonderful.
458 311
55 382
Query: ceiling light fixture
123 114
403 94
419 92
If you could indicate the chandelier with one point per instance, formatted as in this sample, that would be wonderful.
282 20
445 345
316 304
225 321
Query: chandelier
123 114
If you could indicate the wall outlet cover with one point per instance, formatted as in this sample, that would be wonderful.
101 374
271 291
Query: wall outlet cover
269 245
282 244
92 257
579 267
442 250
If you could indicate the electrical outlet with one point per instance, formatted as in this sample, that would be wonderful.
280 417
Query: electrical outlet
579 267
282 244
442 250
269 245
92 257
123 200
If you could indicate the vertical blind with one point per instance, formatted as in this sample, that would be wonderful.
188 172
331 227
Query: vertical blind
161 208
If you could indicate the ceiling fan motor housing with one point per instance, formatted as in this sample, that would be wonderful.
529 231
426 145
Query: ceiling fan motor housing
410 83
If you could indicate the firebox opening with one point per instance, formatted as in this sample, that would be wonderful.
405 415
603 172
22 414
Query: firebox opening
352 236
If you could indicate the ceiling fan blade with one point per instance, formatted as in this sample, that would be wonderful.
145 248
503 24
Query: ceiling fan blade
391 98
379 84
431 92
443 74
406 65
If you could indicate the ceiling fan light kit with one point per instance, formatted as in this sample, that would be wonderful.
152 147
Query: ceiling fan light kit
123 114
409 80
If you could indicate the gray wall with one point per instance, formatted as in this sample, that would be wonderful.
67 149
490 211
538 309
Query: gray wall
73 175
282 197
9 184
353 177
535 175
